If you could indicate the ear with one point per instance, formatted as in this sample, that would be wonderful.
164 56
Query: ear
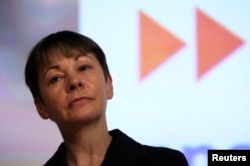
40 108
110 89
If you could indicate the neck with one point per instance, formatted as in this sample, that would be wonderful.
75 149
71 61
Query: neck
87 144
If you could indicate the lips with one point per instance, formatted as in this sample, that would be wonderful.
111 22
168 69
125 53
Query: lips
79 101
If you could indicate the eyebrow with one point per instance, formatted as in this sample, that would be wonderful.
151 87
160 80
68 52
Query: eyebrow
78 56
50 68
56 67
83 55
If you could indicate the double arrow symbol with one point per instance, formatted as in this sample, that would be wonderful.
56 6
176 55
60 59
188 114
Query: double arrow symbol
214 43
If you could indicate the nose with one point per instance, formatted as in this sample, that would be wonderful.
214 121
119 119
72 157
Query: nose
74 84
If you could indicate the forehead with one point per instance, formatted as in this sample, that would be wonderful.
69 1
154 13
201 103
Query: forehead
54 57
75 57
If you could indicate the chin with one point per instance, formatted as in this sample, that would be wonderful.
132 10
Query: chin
85 117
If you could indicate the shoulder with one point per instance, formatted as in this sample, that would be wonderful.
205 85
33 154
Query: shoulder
124 149
165 155
59 157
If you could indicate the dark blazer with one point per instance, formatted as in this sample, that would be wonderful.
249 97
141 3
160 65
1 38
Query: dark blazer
124 151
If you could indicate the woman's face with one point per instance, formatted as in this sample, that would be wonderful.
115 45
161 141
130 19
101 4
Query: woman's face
73 90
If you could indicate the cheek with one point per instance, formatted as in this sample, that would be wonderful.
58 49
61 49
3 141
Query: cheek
53 106
99 85
54 90
104 92
52 96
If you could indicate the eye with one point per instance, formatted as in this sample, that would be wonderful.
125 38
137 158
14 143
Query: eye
84 67
55 79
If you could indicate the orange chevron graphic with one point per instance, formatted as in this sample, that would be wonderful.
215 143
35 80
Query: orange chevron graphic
214 43
156 45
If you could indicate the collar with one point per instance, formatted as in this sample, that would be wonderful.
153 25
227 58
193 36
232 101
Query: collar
123 148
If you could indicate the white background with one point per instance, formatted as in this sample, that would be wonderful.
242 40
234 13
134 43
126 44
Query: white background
170 107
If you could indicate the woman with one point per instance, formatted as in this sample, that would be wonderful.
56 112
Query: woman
69 79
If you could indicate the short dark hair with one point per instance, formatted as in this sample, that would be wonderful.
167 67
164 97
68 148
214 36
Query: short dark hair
63 43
